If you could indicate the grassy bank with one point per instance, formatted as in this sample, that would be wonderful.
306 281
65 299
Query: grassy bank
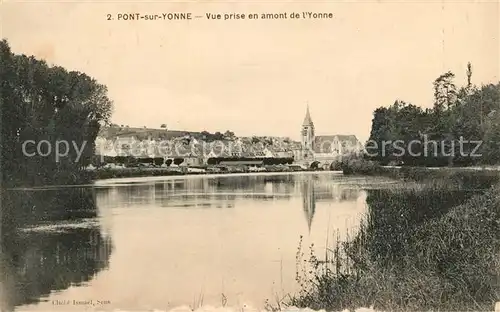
420 248
443 177
447 174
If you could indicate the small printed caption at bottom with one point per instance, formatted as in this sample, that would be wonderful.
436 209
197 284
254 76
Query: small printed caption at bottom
89 302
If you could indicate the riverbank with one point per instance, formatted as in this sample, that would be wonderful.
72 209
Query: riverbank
133 177
207 175
113 173
439 177
434 245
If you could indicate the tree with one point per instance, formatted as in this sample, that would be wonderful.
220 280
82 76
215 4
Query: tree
178 161
314 165
38 103
445 92
163 126
229 135
217 136
445 99
157 161
206 136
469 74
469 113
491 142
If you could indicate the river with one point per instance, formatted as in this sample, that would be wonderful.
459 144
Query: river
147 243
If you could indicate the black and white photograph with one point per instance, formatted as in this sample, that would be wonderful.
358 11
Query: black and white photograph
249 156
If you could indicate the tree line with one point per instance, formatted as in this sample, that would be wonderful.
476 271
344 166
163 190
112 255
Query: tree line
461 128
46 103
131 161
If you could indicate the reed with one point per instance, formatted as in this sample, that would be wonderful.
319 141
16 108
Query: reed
427 248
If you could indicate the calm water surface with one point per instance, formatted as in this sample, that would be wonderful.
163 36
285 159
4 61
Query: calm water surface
165 242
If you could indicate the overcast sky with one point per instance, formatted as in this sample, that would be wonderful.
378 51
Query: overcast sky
255 76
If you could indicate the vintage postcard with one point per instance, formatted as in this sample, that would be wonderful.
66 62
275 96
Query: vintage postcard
249 155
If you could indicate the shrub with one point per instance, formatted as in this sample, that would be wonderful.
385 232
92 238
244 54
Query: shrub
358 165
336 166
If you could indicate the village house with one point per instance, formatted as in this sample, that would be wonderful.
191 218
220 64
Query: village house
190 149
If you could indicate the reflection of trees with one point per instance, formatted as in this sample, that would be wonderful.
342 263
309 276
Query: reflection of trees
21 208
48 257
39 262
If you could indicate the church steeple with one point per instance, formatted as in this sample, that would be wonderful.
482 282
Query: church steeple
307 133
307 119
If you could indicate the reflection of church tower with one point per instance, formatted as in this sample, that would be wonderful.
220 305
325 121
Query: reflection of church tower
308 200
307 134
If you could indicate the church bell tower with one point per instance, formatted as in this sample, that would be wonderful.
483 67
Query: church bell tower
307 133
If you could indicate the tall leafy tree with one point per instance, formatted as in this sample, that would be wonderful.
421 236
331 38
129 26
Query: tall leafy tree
467 114
43 103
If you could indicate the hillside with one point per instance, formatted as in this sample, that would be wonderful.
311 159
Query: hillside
144 133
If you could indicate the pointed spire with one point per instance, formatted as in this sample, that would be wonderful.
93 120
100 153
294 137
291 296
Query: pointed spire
308 202
307 119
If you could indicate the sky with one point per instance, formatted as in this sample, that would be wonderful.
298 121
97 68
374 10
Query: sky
255 77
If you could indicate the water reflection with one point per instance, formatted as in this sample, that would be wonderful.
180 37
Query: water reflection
235 235
199 192
308 201
52 246
225 191
314 190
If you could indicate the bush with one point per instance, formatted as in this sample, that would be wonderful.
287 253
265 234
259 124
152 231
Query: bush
358 165
336 166
178 161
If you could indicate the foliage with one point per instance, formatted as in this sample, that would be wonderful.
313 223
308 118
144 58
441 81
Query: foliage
229 135
39 102
359 165
491 148
265 161
178 161
217 136
314 165
468 113
336 166
57 258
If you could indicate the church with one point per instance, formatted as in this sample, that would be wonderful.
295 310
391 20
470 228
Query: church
324 149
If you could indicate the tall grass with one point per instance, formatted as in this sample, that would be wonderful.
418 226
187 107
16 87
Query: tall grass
417 249
442 177
438 177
